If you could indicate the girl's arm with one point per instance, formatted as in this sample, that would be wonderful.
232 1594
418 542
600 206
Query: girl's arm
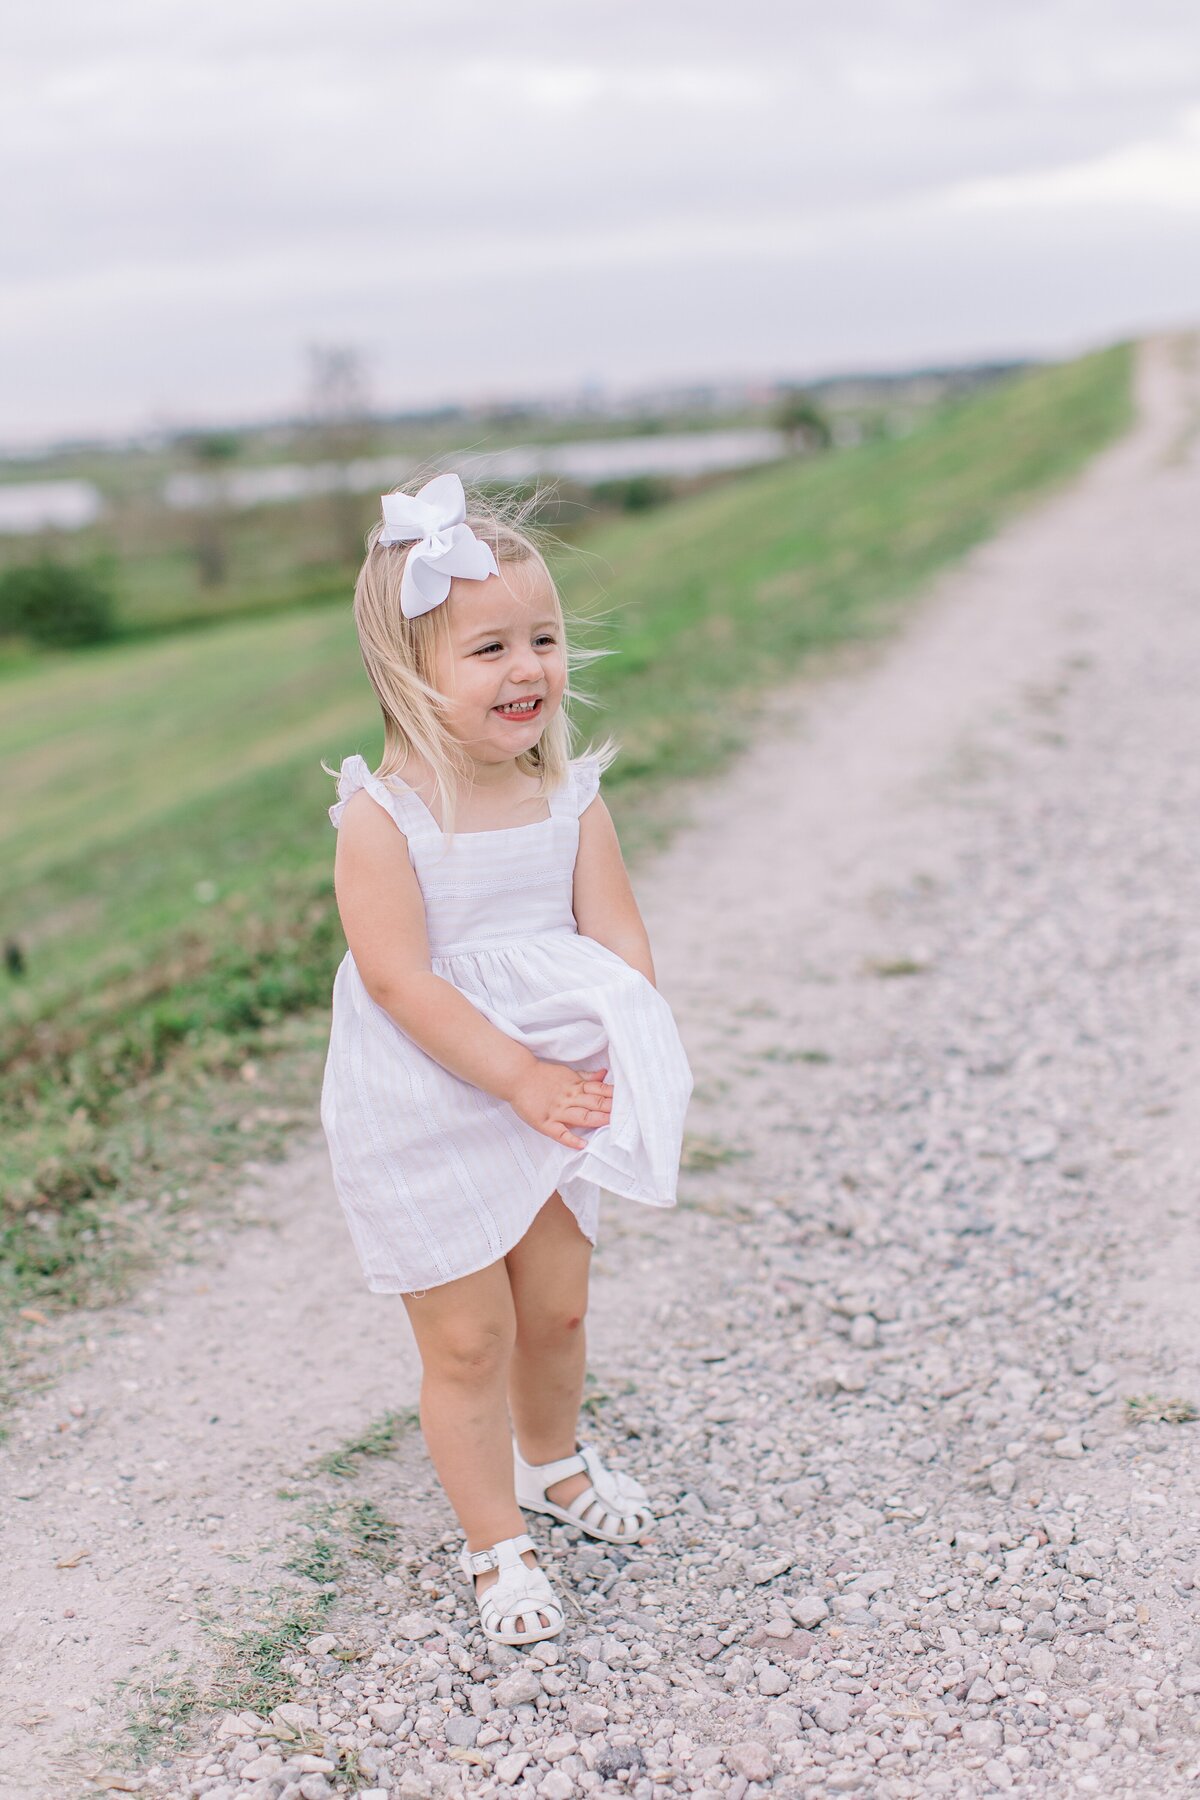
605 908
383 916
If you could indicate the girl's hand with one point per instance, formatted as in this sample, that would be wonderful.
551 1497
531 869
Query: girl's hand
553 1098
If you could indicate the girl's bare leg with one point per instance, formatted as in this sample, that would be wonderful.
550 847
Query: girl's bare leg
548 1277
465 1332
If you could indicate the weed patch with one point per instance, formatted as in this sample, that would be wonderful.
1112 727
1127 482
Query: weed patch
1151 1409
380 1438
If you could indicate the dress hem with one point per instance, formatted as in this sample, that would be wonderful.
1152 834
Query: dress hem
375 1285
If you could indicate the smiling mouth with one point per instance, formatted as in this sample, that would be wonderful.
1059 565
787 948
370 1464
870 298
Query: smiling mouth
519 709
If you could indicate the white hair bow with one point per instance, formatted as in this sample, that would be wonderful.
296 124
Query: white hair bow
448 547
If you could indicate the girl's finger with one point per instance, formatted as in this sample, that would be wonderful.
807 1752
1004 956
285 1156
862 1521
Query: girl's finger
557 1130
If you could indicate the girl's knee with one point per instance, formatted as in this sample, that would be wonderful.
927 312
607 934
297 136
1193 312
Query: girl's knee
552 1321
471 1351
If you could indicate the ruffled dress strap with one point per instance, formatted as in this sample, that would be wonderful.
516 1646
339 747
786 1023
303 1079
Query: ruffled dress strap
584 782
406 808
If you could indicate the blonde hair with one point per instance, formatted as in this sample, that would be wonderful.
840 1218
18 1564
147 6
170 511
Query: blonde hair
400 657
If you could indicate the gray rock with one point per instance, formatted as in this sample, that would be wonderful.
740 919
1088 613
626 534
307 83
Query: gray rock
387 1715
510 1767
585 1718
1002 1478
833 1714
808 1610
261 1767
461 1731
616 1759
783 1721
413 1787
1039 1146
415 1626
751 1759
517 1689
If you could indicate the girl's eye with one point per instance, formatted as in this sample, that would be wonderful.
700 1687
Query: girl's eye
488 648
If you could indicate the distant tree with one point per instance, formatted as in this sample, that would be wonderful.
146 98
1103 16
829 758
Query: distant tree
55 604
340 410
634 493
213 451
803 423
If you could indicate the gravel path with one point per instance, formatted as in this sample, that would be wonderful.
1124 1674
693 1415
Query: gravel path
934 945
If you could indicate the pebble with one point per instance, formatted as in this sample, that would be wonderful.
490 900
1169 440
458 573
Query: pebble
982 1734
586 1718
414 1626
387 1714
752 1760
833 1715
517 1689
462 1731
808 1610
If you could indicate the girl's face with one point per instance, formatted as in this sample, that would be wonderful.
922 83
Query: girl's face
505 651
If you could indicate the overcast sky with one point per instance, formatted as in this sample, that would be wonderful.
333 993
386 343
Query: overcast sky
491 199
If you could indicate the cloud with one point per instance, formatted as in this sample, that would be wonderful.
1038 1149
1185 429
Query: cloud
1160 172
193 192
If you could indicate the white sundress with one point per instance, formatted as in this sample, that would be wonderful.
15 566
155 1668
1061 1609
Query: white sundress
438 1178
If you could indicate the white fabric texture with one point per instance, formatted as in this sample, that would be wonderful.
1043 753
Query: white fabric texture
436 1177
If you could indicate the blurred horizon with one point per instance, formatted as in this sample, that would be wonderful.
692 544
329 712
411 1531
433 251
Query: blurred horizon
492 208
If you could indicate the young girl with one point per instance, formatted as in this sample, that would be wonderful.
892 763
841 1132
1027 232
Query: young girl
499 1052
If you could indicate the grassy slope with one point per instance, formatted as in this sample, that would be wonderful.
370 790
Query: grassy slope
163 818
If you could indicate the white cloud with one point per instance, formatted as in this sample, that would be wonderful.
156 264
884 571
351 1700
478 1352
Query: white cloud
558 87
193 195
1161 172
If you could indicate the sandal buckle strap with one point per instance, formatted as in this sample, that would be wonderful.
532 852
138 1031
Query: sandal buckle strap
508 1550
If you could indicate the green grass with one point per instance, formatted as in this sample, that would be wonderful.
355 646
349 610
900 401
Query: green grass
317 1560
1152 1409
162 812
379 1438
165 1710
257 1682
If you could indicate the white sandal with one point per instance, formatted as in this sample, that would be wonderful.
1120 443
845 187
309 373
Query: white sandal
520 1594
613 1508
